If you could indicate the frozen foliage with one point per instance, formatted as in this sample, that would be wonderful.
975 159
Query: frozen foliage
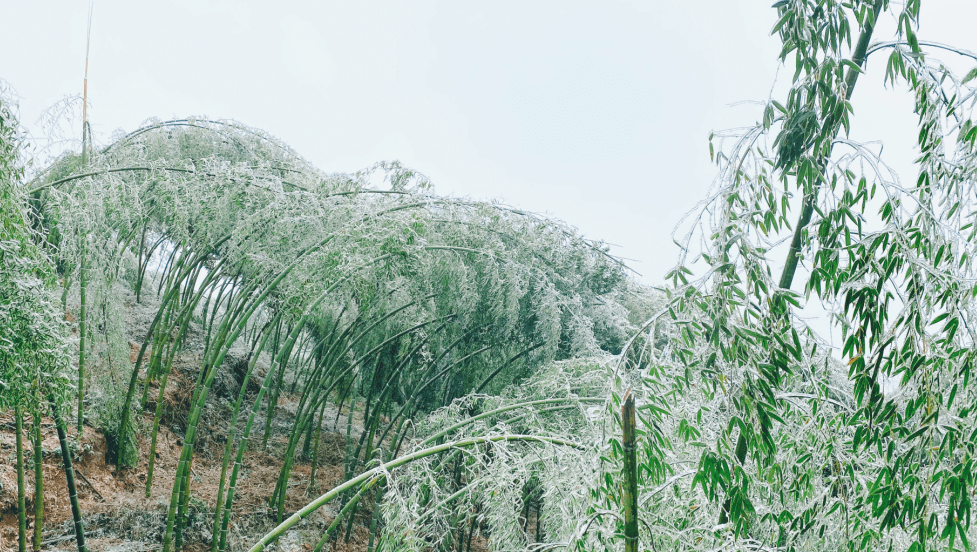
759 435
492 348
32 337
396 295
868 446
436 499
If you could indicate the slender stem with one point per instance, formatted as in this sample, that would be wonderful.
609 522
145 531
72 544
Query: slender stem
38 479
21 506
273 398
106 171
417 393
217 358
83 333
278 495
69 474
134 377
629 493
343 513
508 362
139 260
315 448
375 522
218 507
858 58
229 501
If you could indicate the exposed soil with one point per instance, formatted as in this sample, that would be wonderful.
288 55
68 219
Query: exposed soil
117 514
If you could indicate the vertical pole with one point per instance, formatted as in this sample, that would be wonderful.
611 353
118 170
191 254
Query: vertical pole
375 522
630 492
83 332
38 478
69 474
21 508
82 318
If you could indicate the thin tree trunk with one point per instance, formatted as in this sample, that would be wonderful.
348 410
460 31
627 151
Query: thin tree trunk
278 495
315 448
471 532
232 484
508 362
134 377
273 396
21 506
38 480
83 333
629 493
139 260
339 518
69 474
184 498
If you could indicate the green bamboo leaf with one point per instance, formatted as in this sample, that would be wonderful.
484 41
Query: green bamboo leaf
971 75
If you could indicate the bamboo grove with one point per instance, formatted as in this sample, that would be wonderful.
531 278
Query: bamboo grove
516 384
405 298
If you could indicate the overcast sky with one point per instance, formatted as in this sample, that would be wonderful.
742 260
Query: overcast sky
594 113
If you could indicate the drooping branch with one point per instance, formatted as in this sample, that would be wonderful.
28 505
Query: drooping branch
928 43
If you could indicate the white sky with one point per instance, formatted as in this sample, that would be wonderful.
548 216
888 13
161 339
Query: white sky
594 113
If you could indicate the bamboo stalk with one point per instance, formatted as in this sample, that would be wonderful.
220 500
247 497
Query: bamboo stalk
286 468
375 522
69 474
231 327
415 395
629 493
139 260
83 334
160 348
500 410
315 448
38 479
858 58
218 507
229 501
342 515
521 354
83 276
197 408
471 531
273 397
21 507
134 377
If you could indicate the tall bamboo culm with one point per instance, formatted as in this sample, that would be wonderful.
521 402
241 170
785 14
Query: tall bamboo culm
69 474
83 312
229 445
21 506
630 492
82 345
38 478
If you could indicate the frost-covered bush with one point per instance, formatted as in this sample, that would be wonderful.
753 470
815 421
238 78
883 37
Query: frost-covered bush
32 336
